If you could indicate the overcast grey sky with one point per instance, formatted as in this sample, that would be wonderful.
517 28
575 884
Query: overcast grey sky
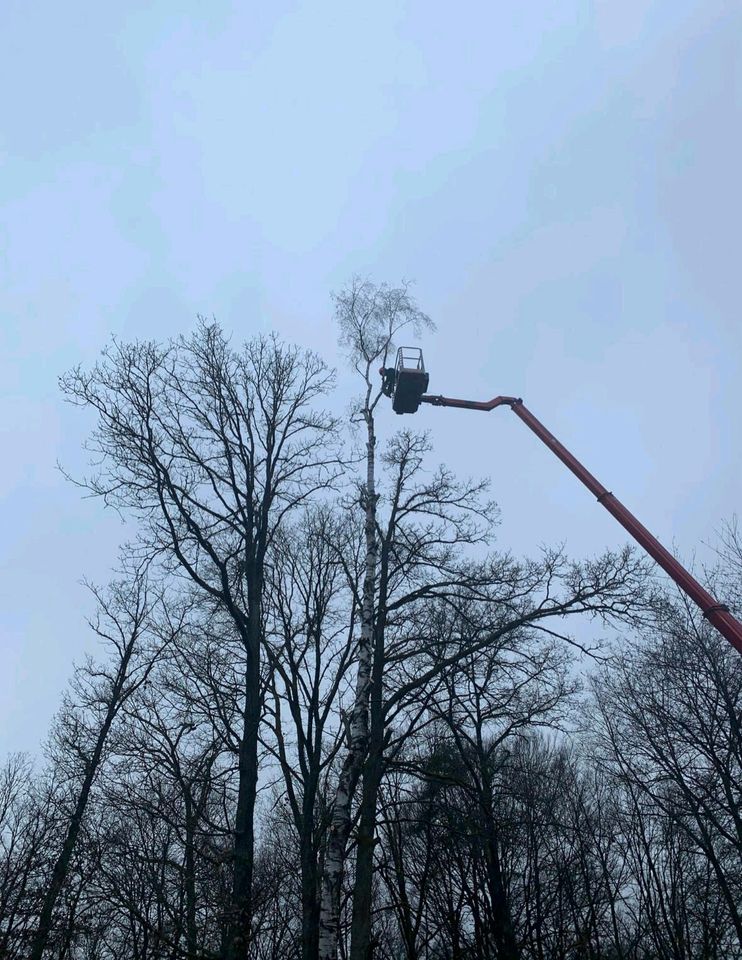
561 180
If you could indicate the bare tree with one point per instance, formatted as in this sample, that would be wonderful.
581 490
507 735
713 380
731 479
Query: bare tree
670 727
211 448
83 725
313 619
170 768
369 317
492 697
436 612
26 831
425 523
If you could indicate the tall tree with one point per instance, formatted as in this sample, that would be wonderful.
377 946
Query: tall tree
414 543
369 318
211 448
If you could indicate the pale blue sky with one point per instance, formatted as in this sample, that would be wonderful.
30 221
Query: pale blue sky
559 178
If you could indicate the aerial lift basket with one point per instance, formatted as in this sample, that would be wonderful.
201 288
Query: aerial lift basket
408 381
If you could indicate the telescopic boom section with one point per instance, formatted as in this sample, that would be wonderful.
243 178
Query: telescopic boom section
716 613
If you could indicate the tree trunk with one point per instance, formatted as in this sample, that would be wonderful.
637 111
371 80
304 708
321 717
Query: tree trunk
361 930
502 922
189 879
309 865
309 899
358 733
240 914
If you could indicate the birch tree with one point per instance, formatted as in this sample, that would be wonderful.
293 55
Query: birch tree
416 544
369 318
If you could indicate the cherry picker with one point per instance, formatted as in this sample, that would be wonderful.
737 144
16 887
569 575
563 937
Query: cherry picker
406 384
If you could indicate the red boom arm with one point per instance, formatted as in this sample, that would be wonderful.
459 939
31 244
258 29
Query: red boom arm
716 613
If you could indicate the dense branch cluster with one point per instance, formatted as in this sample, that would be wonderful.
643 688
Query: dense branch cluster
329 719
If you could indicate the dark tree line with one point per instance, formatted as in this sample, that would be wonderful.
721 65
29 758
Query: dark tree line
329 719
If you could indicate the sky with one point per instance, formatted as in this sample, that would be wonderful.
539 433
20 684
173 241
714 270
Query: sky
559 180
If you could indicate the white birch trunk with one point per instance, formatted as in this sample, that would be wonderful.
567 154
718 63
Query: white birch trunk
358 746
